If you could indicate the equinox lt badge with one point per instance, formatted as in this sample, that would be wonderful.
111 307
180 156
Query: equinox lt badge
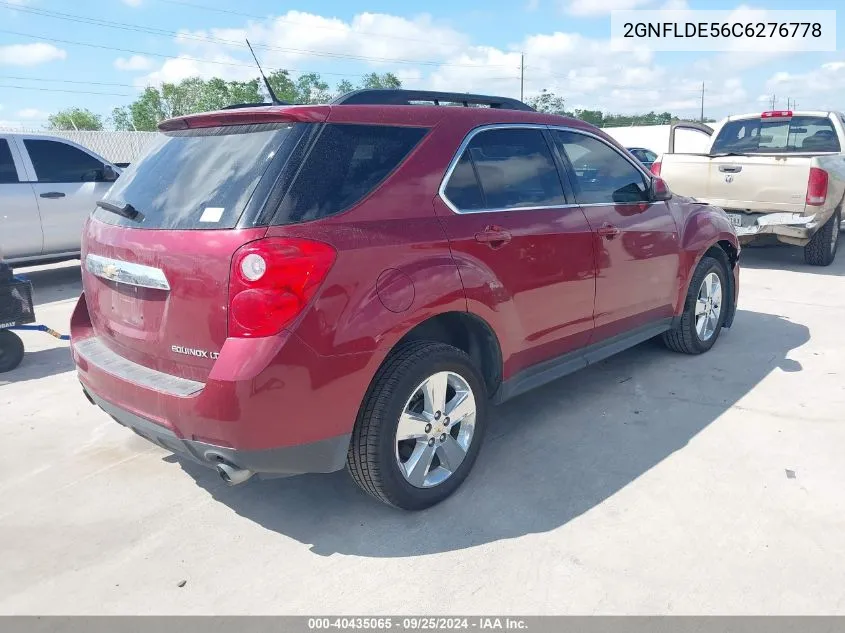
189 351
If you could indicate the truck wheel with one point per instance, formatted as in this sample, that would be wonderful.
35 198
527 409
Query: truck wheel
420 426
704 309
821 250
11 350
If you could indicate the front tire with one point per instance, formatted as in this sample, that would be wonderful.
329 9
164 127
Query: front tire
821 251
420 426
705 309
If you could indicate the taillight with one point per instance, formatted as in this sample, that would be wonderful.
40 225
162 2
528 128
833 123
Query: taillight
817 187
655 168
271 282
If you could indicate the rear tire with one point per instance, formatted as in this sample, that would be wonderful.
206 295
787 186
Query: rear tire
11 350
704 310
821 251
421 471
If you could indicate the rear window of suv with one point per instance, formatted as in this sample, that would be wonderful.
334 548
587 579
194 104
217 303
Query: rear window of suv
204 178
798 134
197 179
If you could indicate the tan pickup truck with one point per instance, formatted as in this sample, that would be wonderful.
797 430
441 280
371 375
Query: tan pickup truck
779 173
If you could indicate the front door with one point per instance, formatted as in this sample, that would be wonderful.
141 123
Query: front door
20 223
68 184
524 254
637 241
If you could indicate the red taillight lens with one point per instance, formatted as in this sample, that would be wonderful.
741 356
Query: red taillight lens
655 168
271 282
817 187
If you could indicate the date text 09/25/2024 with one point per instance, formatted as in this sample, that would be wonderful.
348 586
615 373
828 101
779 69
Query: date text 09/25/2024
418 624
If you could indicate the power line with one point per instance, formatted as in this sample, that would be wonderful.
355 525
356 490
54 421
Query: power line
162 55
71 17
82 92
68 81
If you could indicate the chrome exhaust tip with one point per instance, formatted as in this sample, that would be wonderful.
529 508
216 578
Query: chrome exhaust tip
232 475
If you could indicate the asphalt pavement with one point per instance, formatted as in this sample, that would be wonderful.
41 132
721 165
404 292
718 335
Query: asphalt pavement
650 483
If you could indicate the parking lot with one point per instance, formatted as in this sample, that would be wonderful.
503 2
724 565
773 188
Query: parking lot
650 483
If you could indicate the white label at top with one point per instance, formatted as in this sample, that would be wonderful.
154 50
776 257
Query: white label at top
739 30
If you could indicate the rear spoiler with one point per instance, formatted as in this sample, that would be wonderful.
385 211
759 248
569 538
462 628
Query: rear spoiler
686 125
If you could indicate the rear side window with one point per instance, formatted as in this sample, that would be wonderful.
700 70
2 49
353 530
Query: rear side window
198 179
759 136
602 174
514 167
463 190
8 173
59 162
346 163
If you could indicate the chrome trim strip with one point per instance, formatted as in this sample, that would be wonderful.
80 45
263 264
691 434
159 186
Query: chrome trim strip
95 352
528 126
127 273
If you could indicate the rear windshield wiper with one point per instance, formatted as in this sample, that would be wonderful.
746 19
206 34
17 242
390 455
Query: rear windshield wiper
127 210
723 154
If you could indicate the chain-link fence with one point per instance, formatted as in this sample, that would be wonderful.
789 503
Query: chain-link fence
117 147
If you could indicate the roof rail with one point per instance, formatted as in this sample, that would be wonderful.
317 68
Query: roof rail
238 106
398 96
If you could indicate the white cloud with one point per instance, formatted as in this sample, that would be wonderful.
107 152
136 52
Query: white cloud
285 42
29 54
134 63
601 7
132 3
821 88
33 113
581 69
532 5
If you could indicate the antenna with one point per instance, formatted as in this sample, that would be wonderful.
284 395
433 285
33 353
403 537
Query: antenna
273 96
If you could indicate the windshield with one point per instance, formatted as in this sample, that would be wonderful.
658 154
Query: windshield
760 136
196 179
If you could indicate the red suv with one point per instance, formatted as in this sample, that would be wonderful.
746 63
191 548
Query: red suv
289 289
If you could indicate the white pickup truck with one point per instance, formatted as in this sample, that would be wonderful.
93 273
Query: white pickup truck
778 173
48 187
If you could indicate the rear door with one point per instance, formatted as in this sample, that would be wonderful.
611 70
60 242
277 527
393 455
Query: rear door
20 222
636 241
156 284
523 249
68 182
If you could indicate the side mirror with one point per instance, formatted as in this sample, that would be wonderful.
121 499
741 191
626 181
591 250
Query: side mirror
659 191
109 174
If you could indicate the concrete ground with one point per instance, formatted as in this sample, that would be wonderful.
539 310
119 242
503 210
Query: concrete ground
651 483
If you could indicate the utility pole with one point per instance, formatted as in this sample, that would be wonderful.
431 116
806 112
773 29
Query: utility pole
702 102
522 77
774 100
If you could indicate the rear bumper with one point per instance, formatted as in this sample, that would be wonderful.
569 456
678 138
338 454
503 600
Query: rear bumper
316 457
793 228
269 405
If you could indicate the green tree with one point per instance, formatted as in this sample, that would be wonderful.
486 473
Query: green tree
310 88
343 87
192 95
548 102
75 119
374 80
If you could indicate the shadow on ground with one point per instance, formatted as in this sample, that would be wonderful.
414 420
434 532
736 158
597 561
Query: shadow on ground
549 456
39 364
784 257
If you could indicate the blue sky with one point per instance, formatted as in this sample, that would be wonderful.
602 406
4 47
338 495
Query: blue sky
472 45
